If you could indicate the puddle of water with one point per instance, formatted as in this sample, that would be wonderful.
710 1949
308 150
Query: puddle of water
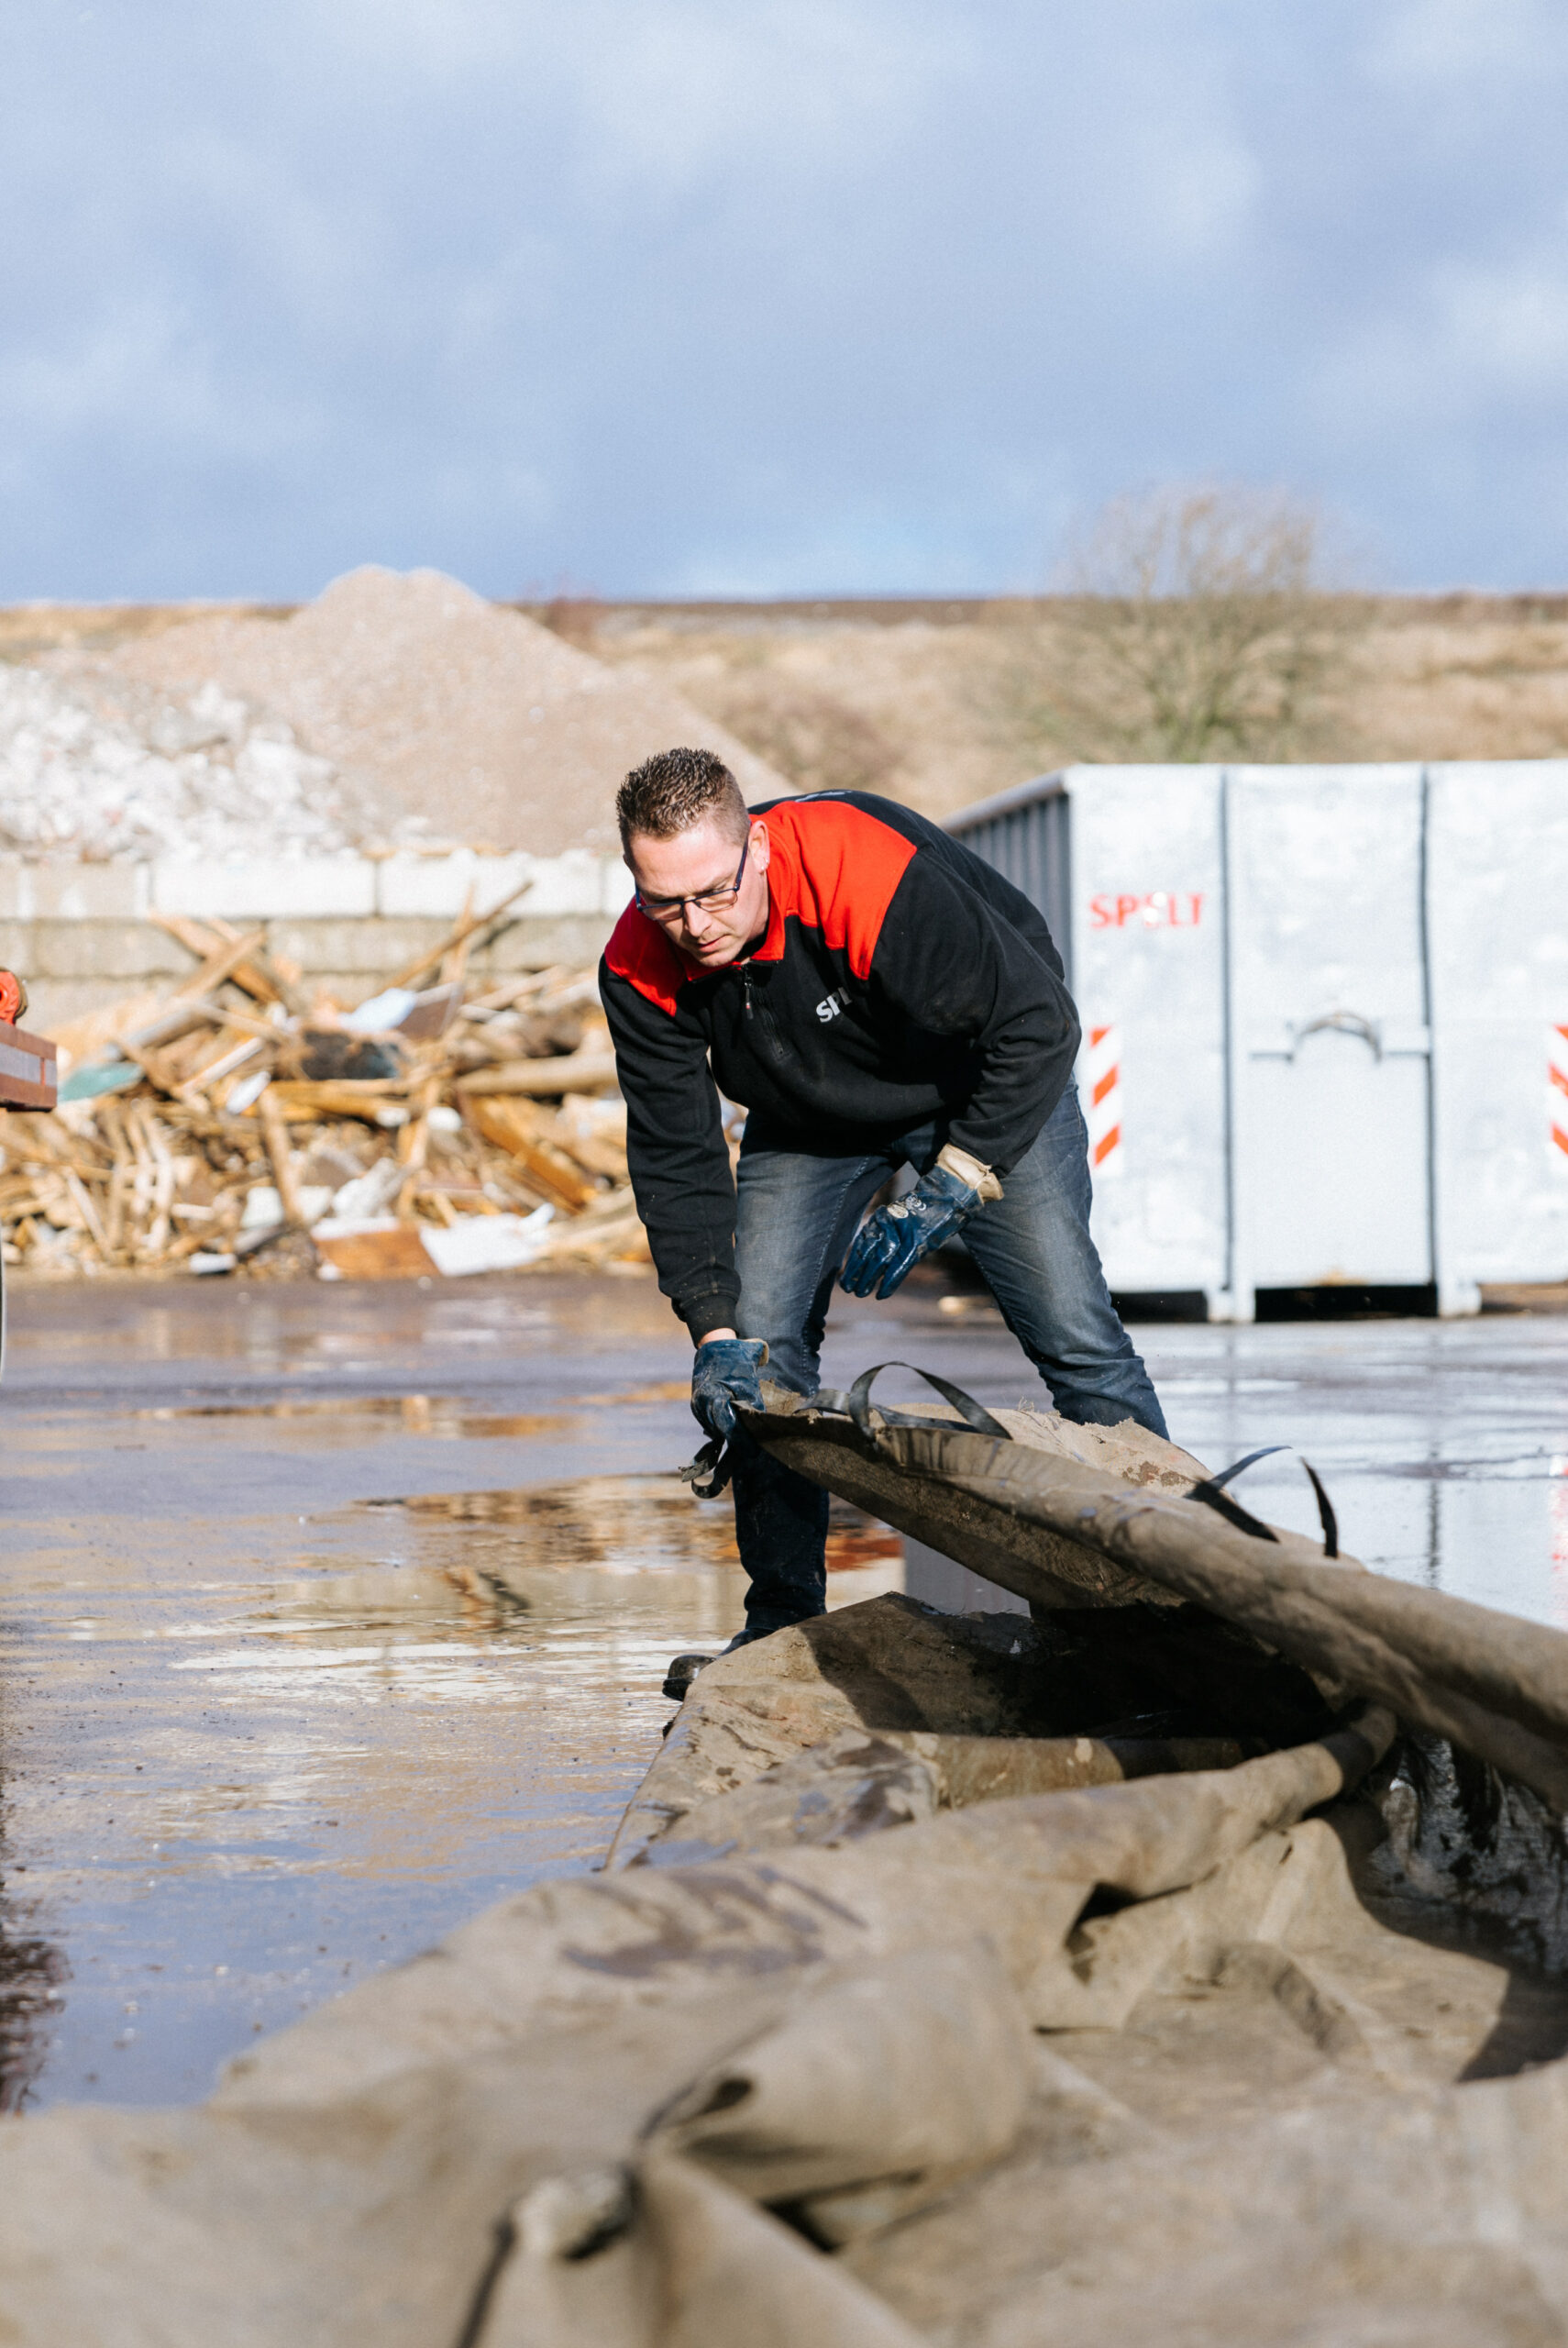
1184 1387
665 1389
441 1415
231 1798
1444 1446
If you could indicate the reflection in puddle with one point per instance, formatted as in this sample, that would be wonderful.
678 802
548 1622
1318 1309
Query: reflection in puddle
1440 1442
855 1540
637 1523
30 1972
31 1967
440 1415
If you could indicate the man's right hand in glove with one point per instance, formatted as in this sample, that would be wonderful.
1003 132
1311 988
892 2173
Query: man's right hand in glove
725 1373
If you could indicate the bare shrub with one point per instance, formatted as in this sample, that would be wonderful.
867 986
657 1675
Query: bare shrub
1194 626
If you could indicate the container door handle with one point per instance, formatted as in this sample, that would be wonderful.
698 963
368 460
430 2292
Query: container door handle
1344 1022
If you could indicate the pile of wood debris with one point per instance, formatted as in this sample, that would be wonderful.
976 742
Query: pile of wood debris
232 1128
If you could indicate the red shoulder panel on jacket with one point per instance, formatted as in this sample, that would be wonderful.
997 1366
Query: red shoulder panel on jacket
640 953
835 869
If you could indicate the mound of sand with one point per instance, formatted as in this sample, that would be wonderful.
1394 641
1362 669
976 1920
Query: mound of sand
440 711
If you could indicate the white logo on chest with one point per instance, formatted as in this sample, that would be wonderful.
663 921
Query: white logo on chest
832 1004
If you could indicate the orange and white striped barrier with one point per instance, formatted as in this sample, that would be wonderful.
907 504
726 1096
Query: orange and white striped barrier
1102 1085
1557 1087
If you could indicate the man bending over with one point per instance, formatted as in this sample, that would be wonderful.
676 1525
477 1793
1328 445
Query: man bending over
876 997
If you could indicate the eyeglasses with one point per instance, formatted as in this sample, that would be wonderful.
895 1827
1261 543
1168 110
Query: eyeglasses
711 901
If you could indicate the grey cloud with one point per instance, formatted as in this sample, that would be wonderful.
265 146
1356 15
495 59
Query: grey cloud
676 296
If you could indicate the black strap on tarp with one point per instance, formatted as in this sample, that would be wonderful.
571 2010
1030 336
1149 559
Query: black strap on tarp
1212 1494
858 1403
710 1470
713 1467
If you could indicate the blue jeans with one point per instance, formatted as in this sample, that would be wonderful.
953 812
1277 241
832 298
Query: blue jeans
796 1211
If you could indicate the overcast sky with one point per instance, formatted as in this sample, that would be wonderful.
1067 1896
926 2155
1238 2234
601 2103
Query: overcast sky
695 297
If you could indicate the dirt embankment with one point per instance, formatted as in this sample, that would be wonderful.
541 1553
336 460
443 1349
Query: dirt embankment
938 703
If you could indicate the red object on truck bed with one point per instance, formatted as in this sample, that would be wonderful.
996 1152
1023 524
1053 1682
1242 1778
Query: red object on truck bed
28 1078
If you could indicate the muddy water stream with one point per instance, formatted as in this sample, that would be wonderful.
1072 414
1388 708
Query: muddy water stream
329 1615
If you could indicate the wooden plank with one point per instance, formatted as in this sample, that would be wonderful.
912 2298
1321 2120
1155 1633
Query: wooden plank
461 934
395 1255
274 1127
221 963
590 1071
307 1102
508 1123
152 1068
228 1062
255 972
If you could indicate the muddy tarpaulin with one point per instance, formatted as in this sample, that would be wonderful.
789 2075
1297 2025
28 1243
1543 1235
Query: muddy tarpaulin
1492 1684
810 2029
1079 1979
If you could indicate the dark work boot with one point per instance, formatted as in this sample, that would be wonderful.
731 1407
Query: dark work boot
684 1668
781 1533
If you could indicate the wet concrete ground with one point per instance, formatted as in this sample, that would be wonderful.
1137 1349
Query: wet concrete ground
330 1613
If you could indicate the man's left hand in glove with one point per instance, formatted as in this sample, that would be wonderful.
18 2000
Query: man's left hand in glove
892 1242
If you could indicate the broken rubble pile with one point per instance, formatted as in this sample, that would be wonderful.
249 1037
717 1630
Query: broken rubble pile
86 777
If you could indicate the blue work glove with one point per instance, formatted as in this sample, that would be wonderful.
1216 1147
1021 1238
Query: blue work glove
892 1242
725 1373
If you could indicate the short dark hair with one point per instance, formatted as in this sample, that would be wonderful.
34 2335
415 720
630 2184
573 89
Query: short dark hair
669 793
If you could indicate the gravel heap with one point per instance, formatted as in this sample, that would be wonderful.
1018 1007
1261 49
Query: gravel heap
438 714
90 773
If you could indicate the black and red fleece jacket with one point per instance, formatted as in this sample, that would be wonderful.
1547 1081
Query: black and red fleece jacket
899 979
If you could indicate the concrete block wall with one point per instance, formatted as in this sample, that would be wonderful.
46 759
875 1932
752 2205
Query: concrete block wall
83 936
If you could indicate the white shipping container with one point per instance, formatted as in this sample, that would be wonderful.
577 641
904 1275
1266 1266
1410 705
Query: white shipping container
1322 1007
